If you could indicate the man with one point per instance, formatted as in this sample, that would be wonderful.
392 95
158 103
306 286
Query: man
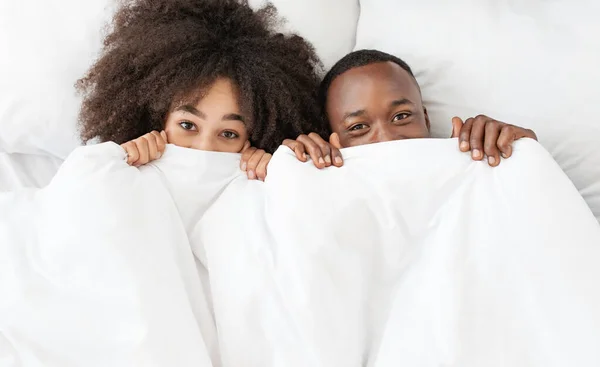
371 97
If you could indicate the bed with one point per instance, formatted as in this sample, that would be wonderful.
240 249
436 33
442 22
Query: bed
280 291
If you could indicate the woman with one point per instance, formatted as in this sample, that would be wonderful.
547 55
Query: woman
211 75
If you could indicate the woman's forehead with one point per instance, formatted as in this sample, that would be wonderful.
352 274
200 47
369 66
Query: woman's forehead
221 90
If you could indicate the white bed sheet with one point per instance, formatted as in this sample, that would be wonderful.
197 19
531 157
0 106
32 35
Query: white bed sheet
409 255
26 170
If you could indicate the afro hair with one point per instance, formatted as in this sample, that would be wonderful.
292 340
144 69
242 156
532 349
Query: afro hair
159 52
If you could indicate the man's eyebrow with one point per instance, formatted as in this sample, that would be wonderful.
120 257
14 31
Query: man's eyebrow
192 110
233 117
400 102
356 113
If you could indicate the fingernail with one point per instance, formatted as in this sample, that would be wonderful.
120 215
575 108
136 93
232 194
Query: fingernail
328 159
251 175
504 155
304 155
321 161
244 166
476 153
464 146
491 161
338 160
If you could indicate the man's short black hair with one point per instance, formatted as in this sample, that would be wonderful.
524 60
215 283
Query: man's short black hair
354 60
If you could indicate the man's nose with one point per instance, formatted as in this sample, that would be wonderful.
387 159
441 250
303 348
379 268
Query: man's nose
383 134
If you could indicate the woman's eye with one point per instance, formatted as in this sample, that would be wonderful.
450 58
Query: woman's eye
358 127
400 116
229 135
186 125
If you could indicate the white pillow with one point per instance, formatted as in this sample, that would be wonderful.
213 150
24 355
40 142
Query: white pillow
330 25
531 63
46 46
18 171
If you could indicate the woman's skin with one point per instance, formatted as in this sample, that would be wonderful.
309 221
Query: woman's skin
215 123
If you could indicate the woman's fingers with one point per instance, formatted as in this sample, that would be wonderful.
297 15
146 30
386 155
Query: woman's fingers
132 152
143 150
246 146
246 155
146 148
152 147
161 143
253 163
261 168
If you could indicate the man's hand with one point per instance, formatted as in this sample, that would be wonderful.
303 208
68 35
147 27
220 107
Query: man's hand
322 153
484 135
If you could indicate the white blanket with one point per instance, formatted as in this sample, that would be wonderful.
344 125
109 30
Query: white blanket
409 255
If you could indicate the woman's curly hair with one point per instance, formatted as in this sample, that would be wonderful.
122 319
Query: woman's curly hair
163 52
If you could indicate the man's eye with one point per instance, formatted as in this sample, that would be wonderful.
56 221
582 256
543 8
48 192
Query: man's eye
229 135
358 127
186 125
400 116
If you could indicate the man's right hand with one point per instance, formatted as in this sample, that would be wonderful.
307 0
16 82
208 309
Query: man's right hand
322 153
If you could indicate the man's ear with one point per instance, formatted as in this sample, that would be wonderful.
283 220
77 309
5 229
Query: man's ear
427 119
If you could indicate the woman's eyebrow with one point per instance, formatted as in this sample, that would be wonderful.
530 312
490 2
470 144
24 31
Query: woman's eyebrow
233 117
191 109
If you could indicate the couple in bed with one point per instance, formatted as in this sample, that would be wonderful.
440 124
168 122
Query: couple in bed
214 75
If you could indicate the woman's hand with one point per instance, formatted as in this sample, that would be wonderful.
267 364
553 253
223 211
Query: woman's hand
254 162
146 148
322 153
484 135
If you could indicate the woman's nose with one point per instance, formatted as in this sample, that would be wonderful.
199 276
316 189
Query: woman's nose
203 142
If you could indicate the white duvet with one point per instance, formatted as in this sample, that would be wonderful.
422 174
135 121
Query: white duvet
409 255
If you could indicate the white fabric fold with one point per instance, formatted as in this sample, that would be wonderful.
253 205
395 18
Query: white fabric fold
410 254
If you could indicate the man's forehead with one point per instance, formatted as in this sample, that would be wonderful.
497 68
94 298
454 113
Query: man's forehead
377 75
365 82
